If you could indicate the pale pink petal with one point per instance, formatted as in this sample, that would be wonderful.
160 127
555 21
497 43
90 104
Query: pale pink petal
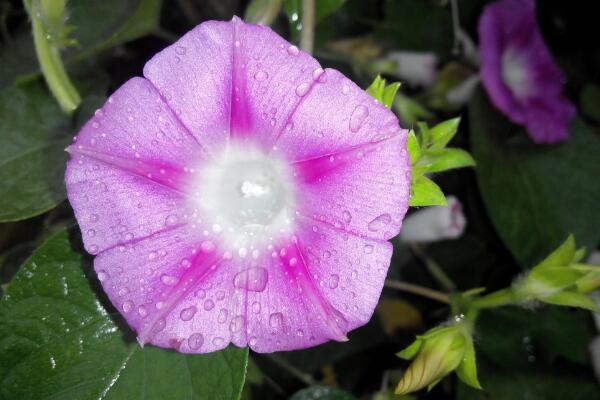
363 190
334 116
194 77
128 168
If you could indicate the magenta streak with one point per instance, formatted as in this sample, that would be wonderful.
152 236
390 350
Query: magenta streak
334 320
173 177
202 266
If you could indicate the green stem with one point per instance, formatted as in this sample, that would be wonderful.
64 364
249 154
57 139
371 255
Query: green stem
500 298
307 36
52 67
418 290
435 270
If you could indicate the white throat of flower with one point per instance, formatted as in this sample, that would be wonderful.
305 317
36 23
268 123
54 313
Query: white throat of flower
247 196
516 73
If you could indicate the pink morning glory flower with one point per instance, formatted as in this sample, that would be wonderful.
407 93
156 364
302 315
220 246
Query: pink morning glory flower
518 72
239 193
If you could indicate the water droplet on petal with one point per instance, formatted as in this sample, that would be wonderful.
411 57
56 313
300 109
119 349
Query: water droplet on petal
127 306
142 311
302 89
94 218
253 279
218 341
261 76
318 75
93 249
207 246
256 307
180 50
357 118
102 275
236 324
293 50
347 216
379 222
276 320
168 280
187 313
368 249
334 281
171 220
195 341
209 305
222 316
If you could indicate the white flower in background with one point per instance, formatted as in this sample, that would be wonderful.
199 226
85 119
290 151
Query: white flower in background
434 223
416 69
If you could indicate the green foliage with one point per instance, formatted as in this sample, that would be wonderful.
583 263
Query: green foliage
262 11
120 21
429 154
33 135
58 340
383 93
536 195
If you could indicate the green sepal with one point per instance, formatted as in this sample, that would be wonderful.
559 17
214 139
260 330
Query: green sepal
563 256
411 351
413 146
383 93
424 192
555 278
446 159
442 133
573 299
467 369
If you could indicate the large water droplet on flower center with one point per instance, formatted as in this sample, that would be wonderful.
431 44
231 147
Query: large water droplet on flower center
251 193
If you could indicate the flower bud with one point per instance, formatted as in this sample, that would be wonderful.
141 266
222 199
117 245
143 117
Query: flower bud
436 354
434 223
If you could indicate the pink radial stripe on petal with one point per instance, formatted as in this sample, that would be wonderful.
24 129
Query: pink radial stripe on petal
363 190
335 116
194 77
270 80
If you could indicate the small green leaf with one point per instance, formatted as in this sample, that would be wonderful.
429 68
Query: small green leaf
446 159
563 256
424 192
413 146
442 133
411 351
383 93
555 278
467 370
573 299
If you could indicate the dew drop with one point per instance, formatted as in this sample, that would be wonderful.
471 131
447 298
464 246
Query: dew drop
276 320
357 118
261 76
252 279
94 218
127 306
318 75
347 216
252 341
142 311
187 313
195 341
345 89
168 280
180 50
171 220
256 307
207 246
209 305
236 324
185 263
354 274
93 249
293 50
302 89
222 316
218 341
368 249
379 222
243 252
334 280
102 275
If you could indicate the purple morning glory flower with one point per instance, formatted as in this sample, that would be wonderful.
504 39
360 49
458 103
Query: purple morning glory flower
518 72
239 193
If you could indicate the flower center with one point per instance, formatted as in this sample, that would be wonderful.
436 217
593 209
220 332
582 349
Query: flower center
515 73
246 195
251 192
